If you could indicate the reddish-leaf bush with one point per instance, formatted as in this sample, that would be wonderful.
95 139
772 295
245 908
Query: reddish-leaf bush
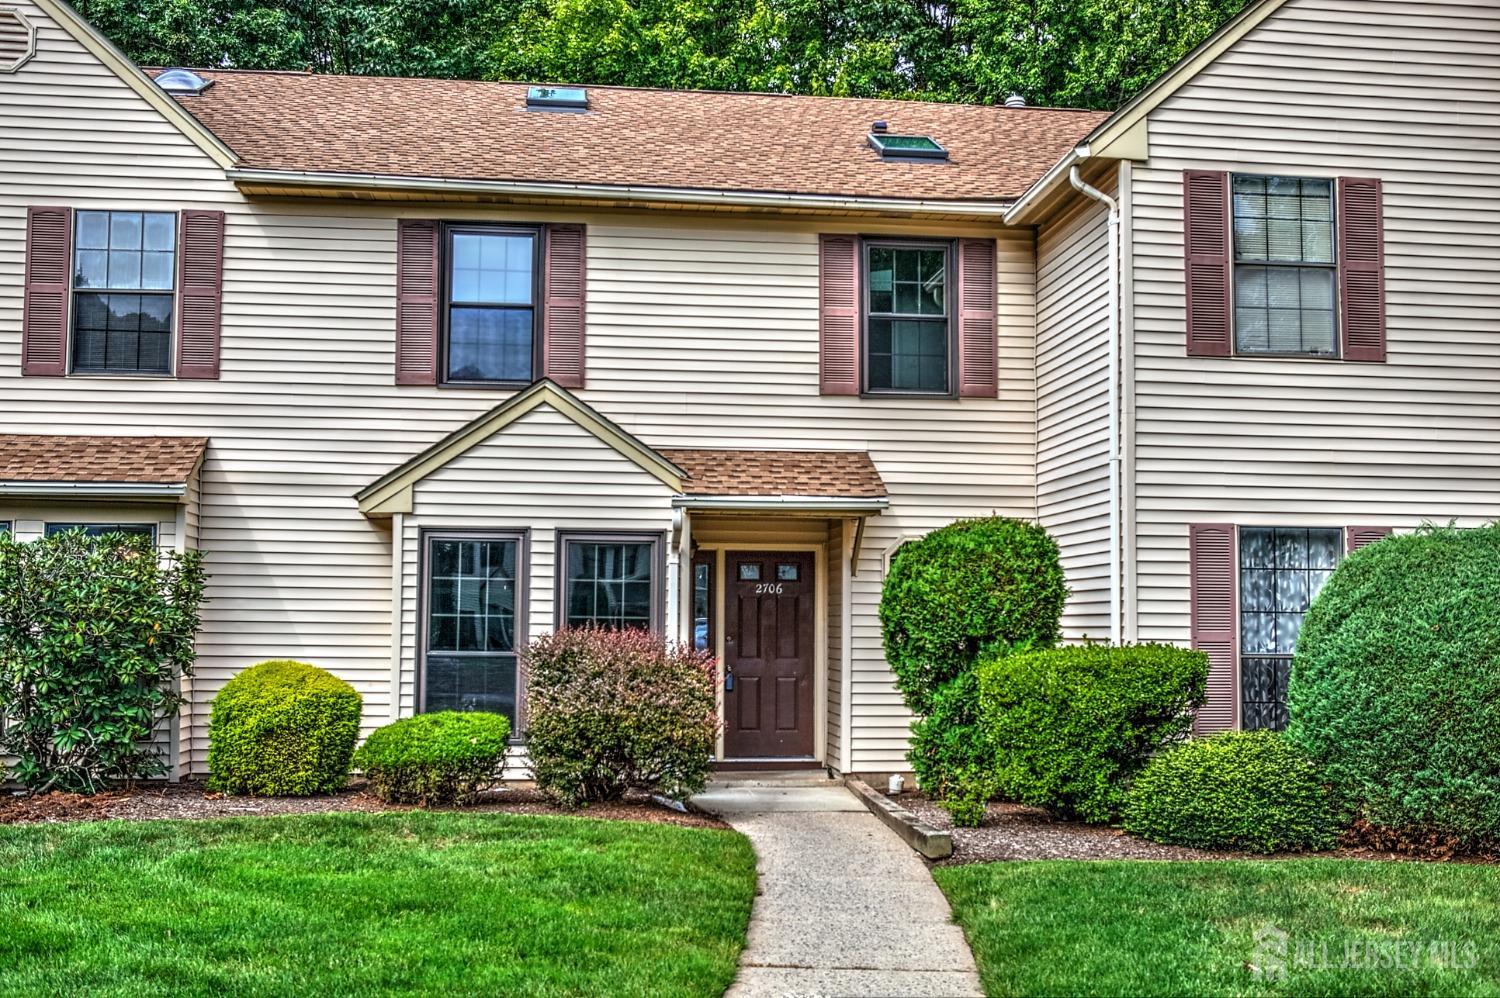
611 711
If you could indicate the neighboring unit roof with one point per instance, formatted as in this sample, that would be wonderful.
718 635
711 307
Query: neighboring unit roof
99 459
831 474
744 142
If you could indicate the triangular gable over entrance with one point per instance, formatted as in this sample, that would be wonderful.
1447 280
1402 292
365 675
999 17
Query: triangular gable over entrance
117 62
392 493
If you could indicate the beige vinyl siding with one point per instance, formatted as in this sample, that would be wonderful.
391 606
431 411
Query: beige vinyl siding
702 331
1403 91
542 474
1072 377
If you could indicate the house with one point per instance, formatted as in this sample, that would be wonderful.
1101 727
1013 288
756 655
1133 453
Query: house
428 367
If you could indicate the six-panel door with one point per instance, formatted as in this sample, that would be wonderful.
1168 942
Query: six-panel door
768 651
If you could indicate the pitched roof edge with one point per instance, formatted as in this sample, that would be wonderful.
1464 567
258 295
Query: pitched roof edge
65 17
391 493
637 192
1117 130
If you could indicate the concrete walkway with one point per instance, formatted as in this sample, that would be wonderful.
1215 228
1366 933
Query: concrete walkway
845 907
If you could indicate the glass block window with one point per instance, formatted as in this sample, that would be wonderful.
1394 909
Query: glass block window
1285 285
473 592
124 270
1281 571
491 305
610 583
908 335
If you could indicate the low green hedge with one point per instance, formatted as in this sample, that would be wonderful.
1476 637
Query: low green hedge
282 729
1246 790
446 757
1070 726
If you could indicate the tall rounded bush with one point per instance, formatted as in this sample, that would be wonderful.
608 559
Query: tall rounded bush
446 757
282 729
971 585
1395 688
1069 727
610 711
1247 790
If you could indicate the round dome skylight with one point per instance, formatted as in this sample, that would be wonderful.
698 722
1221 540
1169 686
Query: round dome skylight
182 81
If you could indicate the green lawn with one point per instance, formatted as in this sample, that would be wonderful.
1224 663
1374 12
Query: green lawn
367 903
1157 928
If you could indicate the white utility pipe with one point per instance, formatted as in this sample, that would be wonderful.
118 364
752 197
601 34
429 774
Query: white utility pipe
1115 527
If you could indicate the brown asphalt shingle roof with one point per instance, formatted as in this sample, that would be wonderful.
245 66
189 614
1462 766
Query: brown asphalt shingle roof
121 460
467 130
836 474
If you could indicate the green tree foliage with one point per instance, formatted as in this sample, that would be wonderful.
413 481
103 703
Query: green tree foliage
93 635
1091 53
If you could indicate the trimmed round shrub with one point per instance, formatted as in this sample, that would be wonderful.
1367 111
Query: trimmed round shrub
1071 726
964 588
447 757
612 711
1395 688
1248 790
282 729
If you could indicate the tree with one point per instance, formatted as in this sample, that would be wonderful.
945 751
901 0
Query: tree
1093 53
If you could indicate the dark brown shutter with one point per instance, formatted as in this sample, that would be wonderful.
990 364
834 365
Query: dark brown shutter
1361 269
417 288
1212 592
1205 215
1357 537
978 355
564 281
44 317
200 312
838 315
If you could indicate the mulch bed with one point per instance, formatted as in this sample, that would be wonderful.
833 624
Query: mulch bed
1014 831
155 802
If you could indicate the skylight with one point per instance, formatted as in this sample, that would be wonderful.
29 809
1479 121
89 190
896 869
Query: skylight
557 98
906 146
182 81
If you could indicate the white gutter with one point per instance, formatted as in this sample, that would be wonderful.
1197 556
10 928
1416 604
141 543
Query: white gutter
664 195
811 504
1115 525
94 490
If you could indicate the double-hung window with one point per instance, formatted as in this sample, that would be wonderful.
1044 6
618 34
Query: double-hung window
610 581
909 329
490 304
473 600
1285 266
100 529
1281 571
124 269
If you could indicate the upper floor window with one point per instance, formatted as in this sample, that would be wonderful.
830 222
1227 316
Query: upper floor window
491 304
124 266
908 328
1285 266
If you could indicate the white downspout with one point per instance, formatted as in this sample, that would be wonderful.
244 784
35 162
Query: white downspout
1115 526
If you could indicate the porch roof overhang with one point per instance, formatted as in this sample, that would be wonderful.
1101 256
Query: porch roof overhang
56 466
794 505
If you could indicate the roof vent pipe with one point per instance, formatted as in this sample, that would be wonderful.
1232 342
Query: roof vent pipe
1015 100
879 127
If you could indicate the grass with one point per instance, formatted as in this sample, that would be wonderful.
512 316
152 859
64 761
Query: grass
372 903
1144 928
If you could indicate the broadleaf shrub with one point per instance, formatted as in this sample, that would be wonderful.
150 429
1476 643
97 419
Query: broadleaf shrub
1395 687
446 757
282 729
1247 790
94 634
611 711
948 743
964 588
1071 726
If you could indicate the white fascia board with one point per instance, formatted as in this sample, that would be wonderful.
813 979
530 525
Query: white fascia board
814 504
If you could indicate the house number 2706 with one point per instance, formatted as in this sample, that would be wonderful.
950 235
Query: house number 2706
772 588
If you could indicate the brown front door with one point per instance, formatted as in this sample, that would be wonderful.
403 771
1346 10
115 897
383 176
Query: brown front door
768 650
